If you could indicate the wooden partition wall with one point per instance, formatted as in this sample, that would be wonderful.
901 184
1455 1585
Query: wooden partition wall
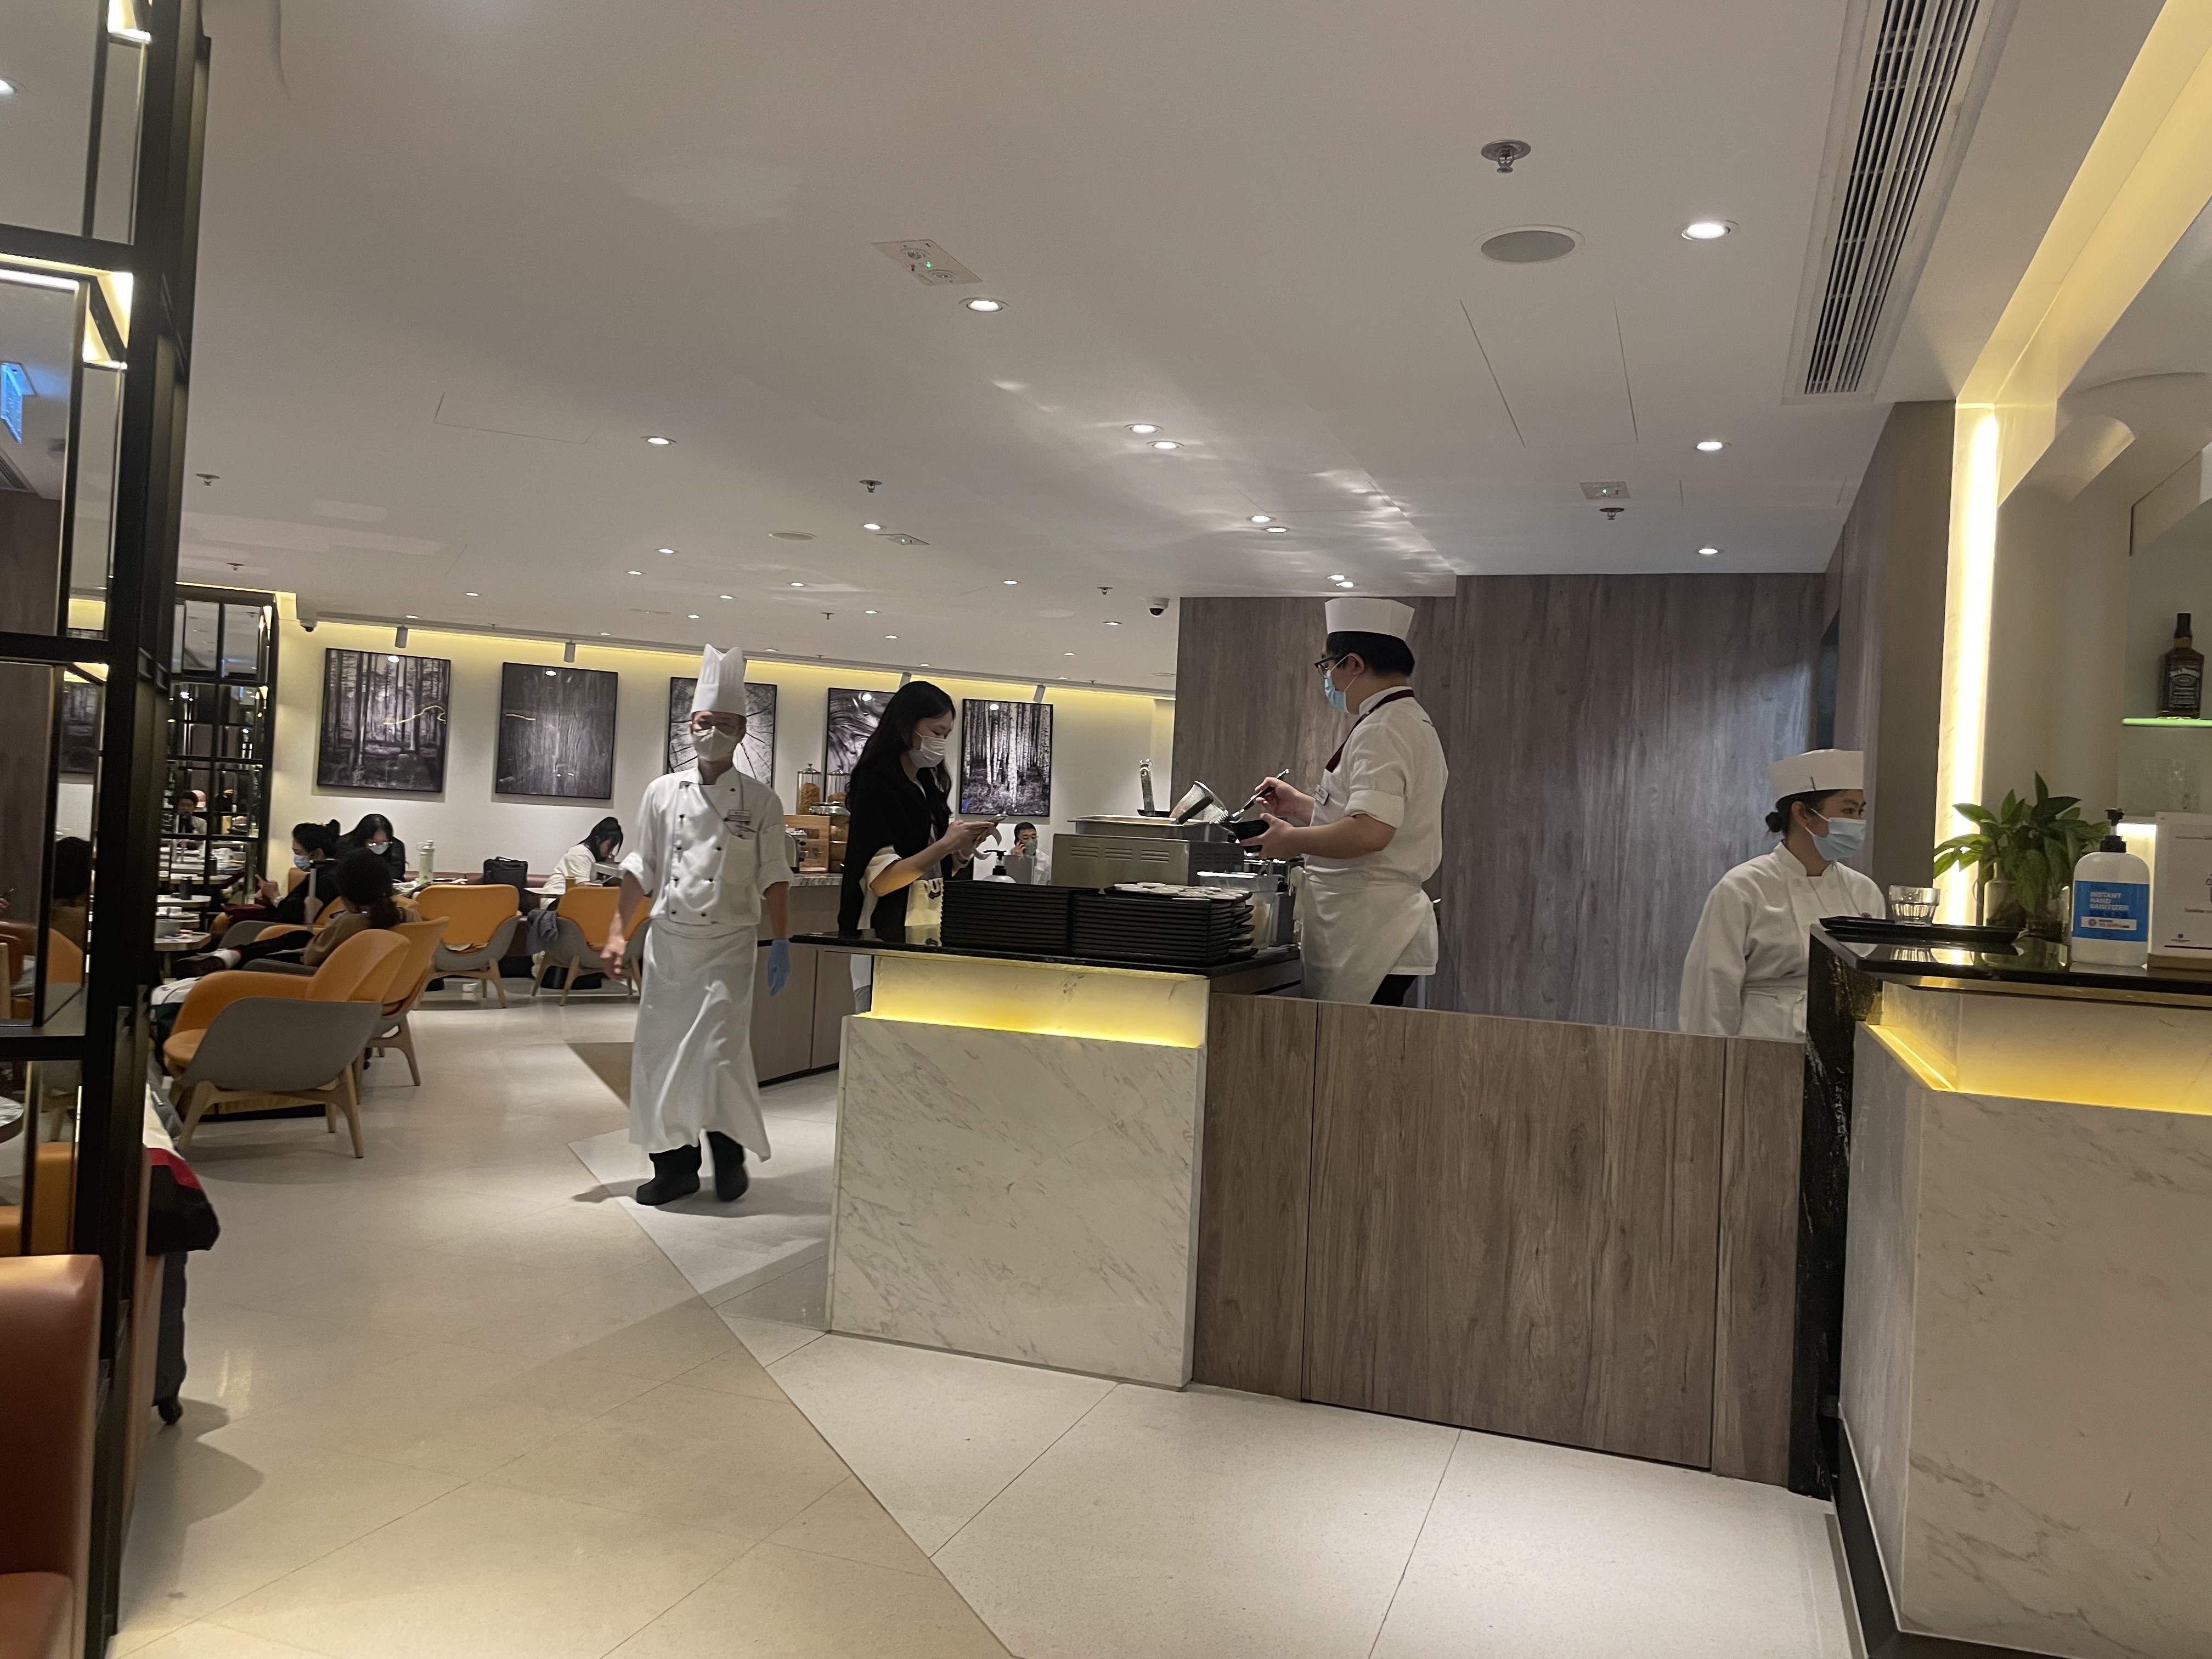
1575 1233
1608 738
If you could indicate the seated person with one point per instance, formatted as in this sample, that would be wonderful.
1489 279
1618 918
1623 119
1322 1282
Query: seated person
373 834
314 852
364 901
589 863
72 891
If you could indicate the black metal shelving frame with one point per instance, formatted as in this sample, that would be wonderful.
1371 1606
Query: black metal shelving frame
239 746
155 48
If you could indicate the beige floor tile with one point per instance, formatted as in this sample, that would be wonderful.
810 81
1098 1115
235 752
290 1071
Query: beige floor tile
725 1462
451 1410
768 1339
208 1640
596 1239
779 1603
224 1512
488 1573
847 1521
649 1334
245 1359
738 1372
800 1297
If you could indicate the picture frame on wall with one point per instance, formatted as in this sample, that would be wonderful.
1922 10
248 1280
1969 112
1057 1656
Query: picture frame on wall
384 720
1006 758
755 758
556 731
851 722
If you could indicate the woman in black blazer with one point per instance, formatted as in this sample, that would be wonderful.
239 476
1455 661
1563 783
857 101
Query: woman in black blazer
373 834
900 799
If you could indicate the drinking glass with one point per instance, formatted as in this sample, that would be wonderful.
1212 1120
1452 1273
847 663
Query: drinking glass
1912 905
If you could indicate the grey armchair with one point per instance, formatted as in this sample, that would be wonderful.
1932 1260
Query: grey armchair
285 1046
483 963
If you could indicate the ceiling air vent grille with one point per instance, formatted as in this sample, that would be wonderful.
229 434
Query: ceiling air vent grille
1914 74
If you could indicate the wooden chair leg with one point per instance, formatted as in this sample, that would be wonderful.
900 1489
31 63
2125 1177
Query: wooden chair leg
330 1118
567 981
497 982
350 1085
537 978
403 1039
195 1109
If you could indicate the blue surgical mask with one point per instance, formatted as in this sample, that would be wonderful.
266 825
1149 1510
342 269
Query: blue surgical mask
1845 838
1328 690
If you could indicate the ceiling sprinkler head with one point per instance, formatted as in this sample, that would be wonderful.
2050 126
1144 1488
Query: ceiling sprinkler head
873 484
1505 152
1611 512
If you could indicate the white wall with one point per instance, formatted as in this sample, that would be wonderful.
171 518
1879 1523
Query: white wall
1098 738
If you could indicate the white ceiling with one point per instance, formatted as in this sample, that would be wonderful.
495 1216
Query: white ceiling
1252 221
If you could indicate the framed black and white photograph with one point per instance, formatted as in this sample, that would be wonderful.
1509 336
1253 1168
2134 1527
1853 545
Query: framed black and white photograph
756 758
80 727
1006 758
851 722
556 731
384 722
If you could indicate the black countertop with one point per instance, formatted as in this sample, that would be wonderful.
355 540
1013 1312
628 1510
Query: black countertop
2032 967
862 944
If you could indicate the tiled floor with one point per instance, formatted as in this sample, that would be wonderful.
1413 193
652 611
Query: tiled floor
465 1398
450 1400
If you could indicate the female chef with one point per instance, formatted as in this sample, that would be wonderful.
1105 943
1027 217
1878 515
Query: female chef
1745 975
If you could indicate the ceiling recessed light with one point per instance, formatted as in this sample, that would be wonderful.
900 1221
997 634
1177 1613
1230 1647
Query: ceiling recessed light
1261 518
1709 552
605 635
661 443
729 596
694 616
792 535
891 636
1067 654
1344 584
411 616
1165 443
1110 623
872 527
637 572
981 303
472 596
1010 582
1710 446
799 584
1278 530
869 613
1707 230
7 88
1143 429
1336 576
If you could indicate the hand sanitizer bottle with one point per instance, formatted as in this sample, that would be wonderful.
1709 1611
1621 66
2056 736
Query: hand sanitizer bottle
2111 905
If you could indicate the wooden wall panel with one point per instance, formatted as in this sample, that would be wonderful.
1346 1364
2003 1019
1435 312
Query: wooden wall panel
1253 1194
1761 1126
1611 736
1513 1227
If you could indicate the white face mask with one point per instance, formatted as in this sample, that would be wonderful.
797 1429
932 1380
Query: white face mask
928 751
301 862
715 745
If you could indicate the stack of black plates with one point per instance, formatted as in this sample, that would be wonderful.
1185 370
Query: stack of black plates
1006 916
1165 928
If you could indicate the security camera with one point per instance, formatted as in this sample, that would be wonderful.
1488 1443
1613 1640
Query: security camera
308 617
1158 607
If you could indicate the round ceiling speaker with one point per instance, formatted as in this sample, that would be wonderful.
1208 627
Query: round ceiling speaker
1529 245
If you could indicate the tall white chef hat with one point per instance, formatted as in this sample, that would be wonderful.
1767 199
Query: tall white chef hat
1369 616
1823 769
722 688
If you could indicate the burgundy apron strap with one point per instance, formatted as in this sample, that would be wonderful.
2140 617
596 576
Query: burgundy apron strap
1399 695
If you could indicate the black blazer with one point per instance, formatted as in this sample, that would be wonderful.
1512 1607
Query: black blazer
322 880
888 811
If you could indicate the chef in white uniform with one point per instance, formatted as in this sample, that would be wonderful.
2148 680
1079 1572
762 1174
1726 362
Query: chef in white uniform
1373 831
1745 975
709 854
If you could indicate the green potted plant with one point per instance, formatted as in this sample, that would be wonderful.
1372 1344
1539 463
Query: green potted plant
2023 855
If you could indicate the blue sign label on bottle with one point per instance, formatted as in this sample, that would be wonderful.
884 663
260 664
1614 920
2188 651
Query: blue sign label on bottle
2115 910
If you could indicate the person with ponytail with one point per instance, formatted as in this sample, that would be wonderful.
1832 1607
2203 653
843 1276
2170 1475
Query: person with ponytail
1745 972
315 853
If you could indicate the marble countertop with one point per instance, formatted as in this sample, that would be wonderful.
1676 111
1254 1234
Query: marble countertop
2032 967
860 945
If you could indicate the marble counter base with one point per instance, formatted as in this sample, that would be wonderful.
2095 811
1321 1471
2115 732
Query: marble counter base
1019 1195
2027 1363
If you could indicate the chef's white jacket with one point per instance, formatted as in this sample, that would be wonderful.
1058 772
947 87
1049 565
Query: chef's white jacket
1745 973
705 852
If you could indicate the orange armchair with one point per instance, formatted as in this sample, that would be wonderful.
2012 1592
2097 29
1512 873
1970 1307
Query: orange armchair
480 924
409 975
586 915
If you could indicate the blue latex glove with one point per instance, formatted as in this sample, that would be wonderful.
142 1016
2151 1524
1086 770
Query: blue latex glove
779 965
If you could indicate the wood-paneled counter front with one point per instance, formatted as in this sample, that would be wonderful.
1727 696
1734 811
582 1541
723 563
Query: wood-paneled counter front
1584 1234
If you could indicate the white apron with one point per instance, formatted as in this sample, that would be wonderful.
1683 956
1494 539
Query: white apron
692 1067
1359 928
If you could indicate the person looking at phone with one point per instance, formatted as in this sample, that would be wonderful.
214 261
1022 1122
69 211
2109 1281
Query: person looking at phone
901 831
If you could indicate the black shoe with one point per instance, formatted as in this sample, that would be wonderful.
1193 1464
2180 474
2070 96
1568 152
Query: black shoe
675 1174
171 1409
730 1177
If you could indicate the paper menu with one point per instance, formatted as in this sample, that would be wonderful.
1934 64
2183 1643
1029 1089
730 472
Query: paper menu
2181 887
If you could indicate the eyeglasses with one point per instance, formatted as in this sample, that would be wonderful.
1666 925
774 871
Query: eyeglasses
1327 662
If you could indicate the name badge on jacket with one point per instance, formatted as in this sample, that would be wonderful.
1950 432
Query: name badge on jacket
738 821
